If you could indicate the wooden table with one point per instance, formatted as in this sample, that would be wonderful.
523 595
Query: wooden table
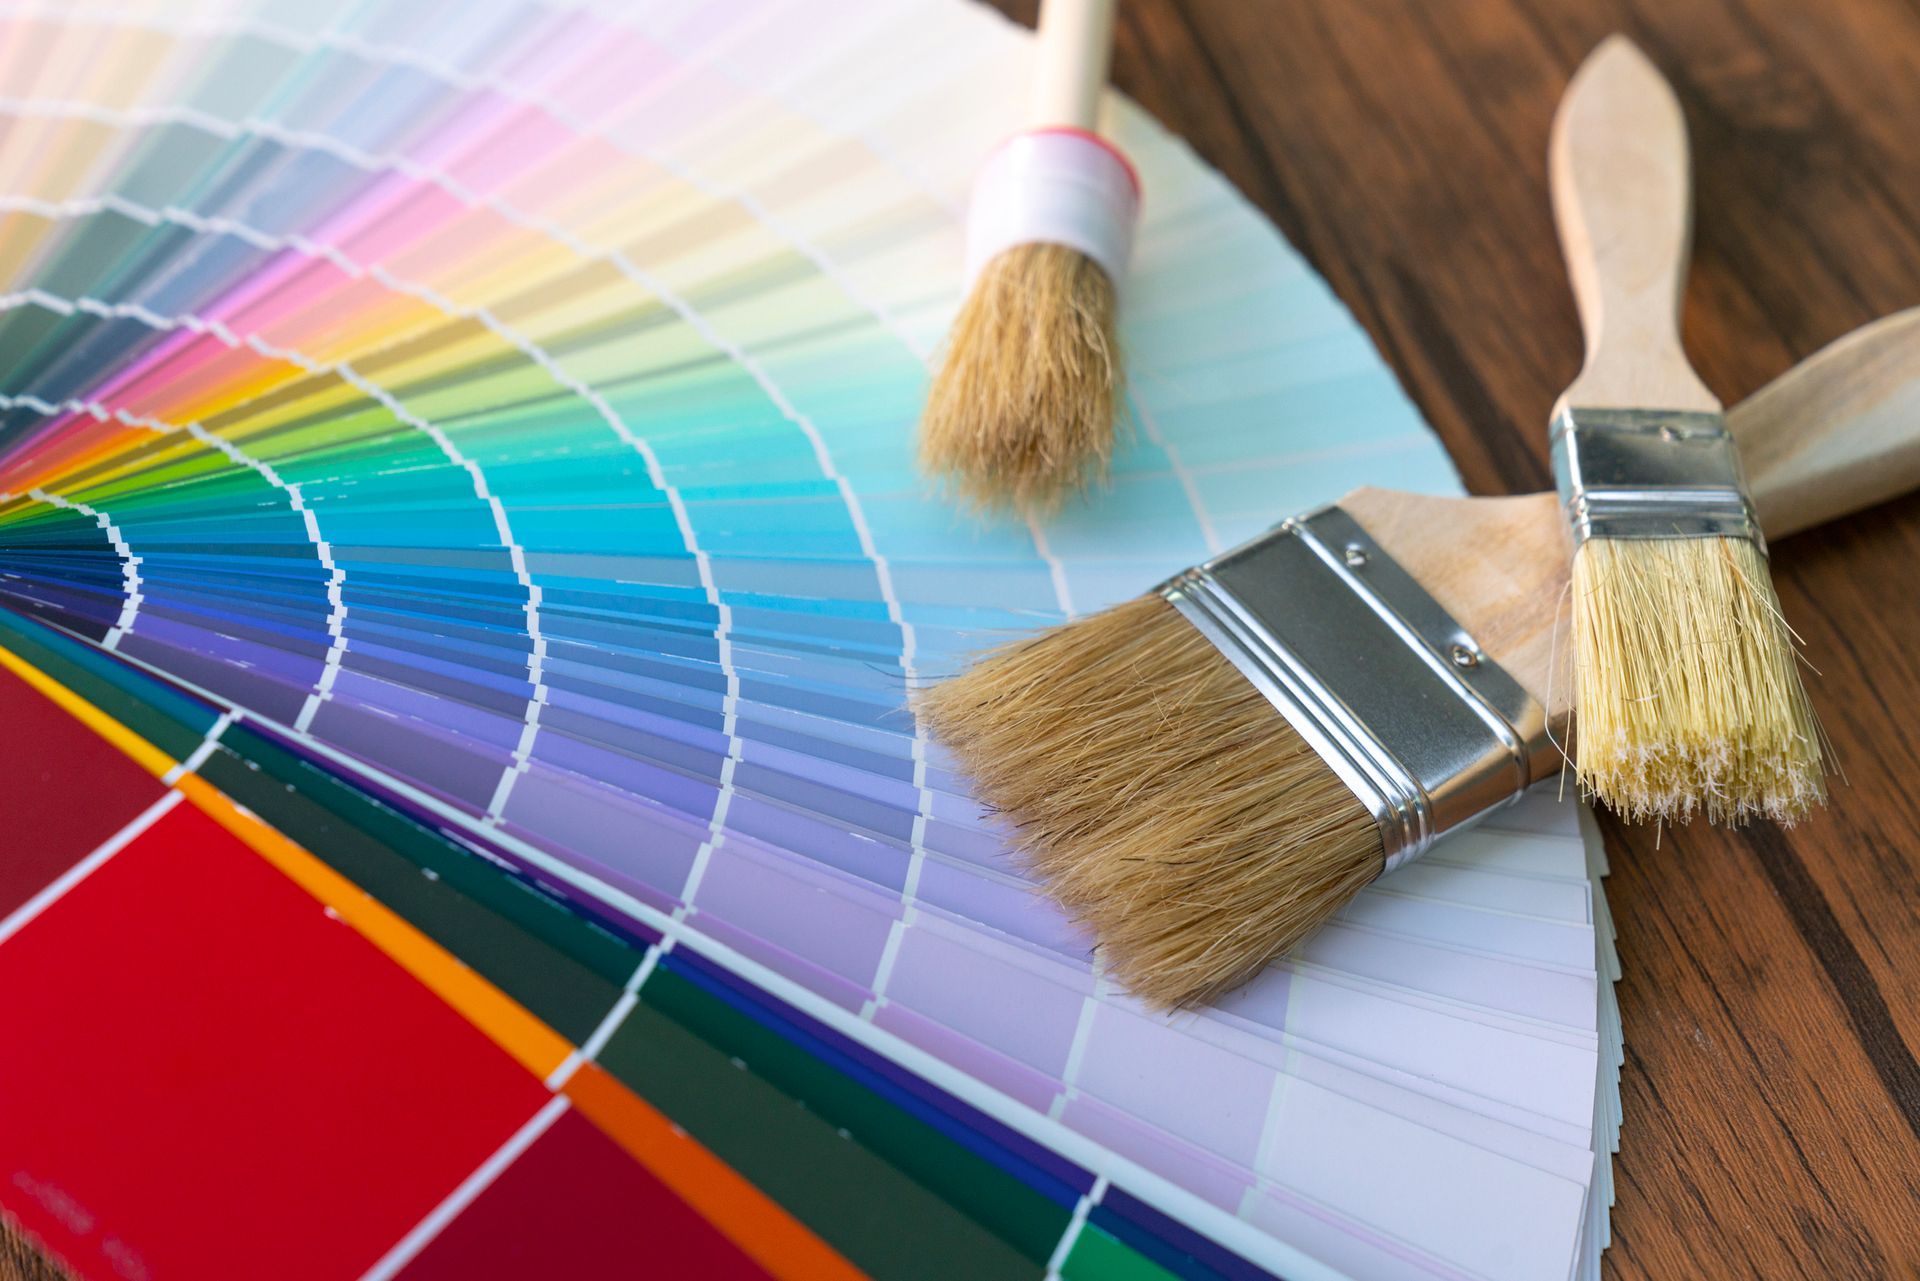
1772 978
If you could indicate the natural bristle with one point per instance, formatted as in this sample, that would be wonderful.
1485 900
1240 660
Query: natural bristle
1159 797
1021 413
1688 694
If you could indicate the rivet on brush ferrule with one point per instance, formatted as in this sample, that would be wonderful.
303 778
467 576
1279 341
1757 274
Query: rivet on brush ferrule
1382 683
1640 473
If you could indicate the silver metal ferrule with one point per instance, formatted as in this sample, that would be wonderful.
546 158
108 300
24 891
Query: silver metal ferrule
1365 665
1644 473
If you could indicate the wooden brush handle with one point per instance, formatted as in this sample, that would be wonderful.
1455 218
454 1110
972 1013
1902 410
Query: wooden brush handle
1622 196
1838 432
1076 44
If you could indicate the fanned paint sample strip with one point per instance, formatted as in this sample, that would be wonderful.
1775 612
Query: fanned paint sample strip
507 407
874 1160
259 1062
71 1190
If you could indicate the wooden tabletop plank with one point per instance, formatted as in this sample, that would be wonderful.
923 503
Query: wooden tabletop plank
1772 978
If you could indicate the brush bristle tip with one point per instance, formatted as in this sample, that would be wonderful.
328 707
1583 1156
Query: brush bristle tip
1158 797
1688 696
1021 414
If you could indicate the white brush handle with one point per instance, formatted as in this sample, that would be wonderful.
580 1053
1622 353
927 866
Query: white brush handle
1076 46
1838 432
1622 196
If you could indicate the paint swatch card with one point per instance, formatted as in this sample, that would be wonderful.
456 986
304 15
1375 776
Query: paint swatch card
475 439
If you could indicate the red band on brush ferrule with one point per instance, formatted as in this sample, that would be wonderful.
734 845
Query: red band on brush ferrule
1112 148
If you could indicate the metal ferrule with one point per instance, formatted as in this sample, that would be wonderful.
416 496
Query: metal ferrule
1643 473
1381 682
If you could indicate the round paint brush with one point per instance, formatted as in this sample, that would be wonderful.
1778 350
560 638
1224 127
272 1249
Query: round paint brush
1204 774
1686 680
1021 412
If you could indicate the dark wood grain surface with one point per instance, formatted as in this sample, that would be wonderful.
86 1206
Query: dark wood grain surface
1772 977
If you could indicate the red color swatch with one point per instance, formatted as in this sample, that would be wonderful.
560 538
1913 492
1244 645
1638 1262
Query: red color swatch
206 1076
575 1205
63 791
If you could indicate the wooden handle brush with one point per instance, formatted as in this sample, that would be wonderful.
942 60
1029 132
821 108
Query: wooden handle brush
1685 677
1204 774
1021 412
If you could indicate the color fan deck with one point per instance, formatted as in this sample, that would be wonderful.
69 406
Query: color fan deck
463 569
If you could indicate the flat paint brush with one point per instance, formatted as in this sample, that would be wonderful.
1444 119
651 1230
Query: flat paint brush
1204 774
1687 686
1021 412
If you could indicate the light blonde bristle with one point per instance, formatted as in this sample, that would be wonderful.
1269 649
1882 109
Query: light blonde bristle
1159 797
1021 413
1688 694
